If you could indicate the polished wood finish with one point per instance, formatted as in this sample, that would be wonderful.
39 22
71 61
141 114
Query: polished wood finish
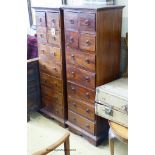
92 45
52 63
64 140
117 131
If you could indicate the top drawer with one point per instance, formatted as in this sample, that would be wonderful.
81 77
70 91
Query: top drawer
53 20
87 22
71 20
40 19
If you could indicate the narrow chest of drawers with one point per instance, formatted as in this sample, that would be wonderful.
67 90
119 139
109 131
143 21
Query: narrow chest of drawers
92 48
49 23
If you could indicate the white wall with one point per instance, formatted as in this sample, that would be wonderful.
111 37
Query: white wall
125 15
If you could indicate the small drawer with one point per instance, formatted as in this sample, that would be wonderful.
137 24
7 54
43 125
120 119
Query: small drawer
41 35
81 77
53 38
87 42
50 95
53 20
53 70
71 39
87 22
71 20
51 82
80 59
78 92
82 108
40 19
81 122
54 53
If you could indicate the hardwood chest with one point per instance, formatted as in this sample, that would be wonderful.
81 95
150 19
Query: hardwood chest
92 48
49 22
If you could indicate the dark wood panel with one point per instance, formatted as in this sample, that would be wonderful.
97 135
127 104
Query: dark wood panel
82 108
82 93
81 122
80 59
81 76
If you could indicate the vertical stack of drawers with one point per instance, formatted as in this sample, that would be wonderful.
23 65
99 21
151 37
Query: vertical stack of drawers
49 24
92 45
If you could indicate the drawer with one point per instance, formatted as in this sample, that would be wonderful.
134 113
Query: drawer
54 38
87 42
54 53
53 70
53 20
72 39
71 20
50 95
51 82
81 122
53 108
82 108
41 35
40 19
80 59
78 92
87 22
81 77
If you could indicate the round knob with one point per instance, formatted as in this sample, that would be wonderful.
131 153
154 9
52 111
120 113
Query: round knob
87 126
86 22
87 60
74 104
43 51
71 40
56 111
74 119
87 95
73 89
72 56
54 38
54 68
87 42
87 78
87 110
54 54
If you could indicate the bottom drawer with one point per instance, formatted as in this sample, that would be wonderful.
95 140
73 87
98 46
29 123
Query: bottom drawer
53 108
81 122
111 114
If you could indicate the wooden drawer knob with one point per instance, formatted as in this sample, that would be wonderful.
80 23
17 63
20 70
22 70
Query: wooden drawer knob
87 78
74 104
53 20
86 22
56 111
40 19
71 40
54 54
54 68
87 60
87 110
87 42
54 38
72 21
43 51
41 35
73 56
87 126
73 89
87 95
74 119
73 74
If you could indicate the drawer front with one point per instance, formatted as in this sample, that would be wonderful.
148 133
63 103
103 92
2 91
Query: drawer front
40 19
81 122
52 107
50 95
82 108
53 20
41 35
53 70
51 82
54 53
72 39
87 22
53 39
81 77
71 20
81 93
87 42
81 59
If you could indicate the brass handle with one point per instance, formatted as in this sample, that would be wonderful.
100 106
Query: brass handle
72 21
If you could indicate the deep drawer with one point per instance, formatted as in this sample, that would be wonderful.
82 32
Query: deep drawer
82 108
81 122
78 92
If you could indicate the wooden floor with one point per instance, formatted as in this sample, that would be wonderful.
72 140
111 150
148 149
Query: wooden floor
42 132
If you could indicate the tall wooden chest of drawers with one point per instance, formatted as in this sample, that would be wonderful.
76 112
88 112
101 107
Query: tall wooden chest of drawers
49 22
92 48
